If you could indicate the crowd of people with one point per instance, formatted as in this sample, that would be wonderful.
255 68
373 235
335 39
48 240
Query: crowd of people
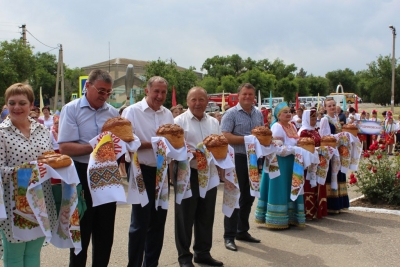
25 135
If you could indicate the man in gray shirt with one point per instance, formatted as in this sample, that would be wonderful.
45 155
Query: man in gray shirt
236 123
80 121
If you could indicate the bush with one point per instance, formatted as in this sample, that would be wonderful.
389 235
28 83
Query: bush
378 176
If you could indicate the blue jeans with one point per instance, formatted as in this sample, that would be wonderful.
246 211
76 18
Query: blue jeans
26 254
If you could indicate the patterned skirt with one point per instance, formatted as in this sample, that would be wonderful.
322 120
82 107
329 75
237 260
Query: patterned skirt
337 199
274 208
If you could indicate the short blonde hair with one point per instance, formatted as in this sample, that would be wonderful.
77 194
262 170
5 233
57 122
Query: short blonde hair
20 89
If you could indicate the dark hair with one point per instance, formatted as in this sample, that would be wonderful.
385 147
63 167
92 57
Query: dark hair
100 75
46 107
247 86
121 110
352 110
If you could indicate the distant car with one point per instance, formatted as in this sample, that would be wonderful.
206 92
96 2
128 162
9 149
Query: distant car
212 106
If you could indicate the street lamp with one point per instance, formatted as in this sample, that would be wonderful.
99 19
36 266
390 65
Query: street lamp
393 67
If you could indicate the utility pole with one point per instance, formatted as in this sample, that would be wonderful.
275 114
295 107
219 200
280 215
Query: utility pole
23 34
393 67
60 71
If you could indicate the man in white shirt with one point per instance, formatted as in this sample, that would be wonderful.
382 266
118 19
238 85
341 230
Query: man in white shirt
146 232
195 210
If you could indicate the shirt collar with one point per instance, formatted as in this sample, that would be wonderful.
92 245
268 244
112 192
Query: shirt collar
7 124
190 114
145 106
239 107
85 103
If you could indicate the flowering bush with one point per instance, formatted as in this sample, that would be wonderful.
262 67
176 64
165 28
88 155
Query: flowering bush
378 176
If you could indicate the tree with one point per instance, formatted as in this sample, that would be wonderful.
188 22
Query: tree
209 83
260 80
17 63
302 73
280 70
44 75
229 84
286 88
378 79
346 77
302 87
317 85
71 81
181 80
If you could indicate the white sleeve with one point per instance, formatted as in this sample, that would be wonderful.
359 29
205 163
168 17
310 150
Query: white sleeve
278 132
324 128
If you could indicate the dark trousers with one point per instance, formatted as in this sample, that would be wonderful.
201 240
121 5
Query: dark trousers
239 221
195 211
98 223
146 232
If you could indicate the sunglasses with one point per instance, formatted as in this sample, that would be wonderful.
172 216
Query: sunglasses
102 92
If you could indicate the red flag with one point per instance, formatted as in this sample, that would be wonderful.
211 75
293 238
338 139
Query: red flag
173 96
297 101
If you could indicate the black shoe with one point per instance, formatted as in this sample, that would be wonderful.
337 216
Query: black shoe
230 245
247 238
186 264
207 260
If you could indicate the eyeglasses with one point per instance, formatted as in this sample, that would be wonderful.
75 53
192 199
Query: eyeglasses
102 92
34 117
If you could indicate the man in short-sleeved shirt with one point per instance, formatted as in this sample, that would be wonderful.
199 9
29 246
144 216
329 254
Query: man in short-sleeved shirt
80 121
236 123
146 232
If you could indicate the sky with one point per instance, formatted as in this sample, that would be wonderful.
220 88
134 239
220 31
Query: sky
316 35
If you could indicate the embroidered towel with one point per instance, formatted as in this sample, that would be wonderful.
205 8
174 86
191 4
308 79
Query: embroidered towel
104 179
164 152
255 150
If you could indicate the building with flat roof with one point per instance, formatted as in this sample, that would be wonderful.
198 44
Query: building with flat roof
117 69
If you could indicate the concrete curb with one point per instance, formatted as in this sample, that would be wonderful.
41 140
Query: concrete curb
381 211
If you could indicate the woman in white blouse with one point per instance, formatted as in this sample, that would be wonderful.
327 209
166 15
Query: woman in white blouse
47 118
337 200
22 140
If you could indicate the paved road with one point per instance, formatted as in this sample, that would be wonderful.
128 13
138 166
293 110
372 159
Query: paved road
348 239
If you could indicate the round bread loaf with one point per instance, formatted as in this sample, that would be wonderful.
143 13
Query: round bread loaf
328 141
55 160
307 143
350 128
121 127
217 145
173 133
263 134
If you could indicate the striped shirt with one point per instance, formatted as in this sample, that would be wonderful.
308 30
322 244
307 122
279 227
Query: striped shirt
238 122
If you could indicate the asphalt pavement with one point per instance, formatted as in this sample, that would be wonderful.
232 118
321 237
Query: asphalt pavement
351 238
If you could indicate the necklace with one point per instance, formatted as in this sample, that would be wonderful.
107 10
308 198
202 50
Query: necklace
290 130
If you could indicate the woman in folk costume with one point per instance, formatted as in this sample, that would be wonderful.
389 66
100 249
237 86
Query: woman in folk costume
397 146
337 200
373 137
363 137
389 131
314 197
275 208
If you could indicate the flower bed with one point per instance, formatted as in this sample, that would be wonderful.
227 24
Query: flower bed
378 176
